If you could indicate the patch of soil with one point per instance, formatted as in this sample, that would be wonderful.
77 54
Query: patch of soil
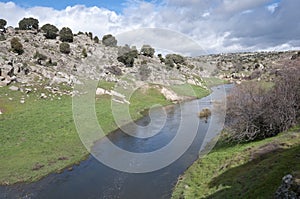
264 150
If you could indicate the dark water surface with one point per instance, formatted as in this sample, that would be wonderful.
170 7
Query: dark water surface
92 179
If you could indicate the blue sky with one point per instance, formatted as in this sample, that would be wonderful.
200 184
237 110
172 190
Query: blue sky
115 5
217 25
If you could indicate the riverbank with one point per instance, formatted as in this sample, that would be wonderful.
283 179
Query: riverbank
252 170
38 137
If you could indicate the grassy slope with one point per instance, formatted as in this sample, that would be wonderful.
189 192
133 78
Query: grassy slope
242 171
41 133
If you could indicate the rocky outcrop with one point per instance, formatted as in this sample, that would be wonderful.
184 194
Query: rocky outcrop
288 189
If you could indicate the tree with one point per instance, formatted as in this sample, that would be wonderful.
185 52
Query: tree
255 112
66 35
127 55
2 23
16 46
147 50
50 31
64 47
29 24
109 40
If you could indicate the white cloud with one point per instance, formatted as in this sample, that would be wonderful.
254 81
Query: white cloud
216 25
272 7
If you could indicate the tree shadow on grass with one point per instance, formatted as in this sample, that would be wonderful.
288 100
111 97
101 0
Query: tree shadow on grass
260 177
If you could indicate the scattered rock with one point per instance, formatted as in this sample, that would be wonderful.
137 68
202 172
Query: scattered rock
43 96
13 88
101 91
170 95
28 90
286 189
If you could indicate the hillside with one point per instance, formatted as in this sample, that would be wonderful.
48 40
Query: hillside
252 170
38 135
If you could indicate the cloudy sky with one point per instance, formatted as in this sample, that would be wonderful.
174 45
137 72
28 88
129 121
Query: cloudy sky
216 25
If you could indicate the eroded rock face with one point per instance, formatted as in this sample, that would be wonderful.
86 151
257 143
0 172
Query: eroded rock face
42 62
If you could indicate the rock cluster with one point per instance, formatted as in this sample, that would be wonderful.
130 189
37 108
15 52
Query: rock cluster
288 189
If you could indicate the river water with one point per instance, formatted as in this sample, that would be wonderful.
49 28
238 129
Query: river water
92 179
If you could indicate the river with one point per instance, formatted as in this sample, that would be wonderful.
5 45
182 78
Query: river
92 179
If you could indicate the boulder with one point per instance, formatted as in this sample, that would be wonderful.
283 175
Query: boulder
13 88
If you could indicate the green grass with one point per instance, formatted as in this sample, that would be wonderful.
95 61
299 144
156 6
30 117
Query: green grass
214 81
39 137
233 171
190 90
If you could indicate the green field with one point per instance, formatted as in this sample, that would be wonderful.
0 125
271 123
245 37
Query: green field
252 170
39 136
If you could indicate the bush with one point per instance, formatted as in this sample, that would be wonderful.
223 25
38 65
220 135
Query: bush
127 55
147 50
2 37
84 53
96 39
66 35
16 46
29 24
109 40
172 59
90 34
205 114
50 31
254 112
162 60
64 47
2 23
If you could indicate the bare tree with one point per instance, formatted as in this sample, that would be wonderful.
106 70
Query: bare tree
254 112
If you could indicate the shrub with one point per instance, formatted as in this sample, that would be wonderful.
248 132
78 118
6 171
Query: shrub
254 112
84 53
147 50
66 35
64 47
162 60
172 59
90 34
109 40
16 46
2 37
29 24
127 55
96 39
205 114
50 31
2 23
